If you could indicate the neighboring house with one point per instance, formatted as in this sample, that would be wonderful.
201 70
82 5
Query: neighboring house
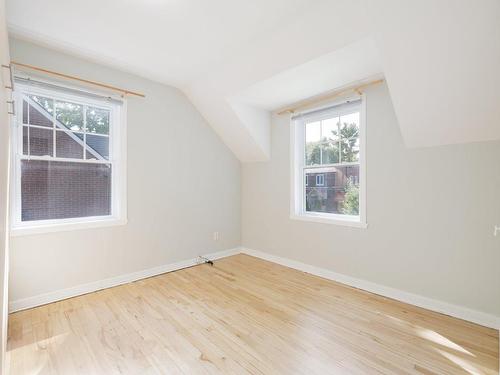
326 187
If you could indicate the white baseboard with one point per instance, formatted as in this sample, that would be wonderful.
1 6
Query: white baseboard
460 312
78 290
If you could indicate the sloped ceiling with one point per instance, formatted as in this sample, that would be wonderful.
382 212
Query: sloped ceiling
238 60
442 64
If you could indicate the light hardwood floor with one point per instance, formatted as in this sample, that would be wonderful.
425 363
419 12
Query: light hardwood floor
244 315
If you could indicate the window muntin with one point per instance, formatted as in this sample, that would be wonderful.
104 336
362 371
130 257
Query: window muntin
66 156
328 143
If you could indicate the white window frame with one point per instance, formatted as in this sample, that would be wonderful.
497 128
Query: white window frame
297 165
117 158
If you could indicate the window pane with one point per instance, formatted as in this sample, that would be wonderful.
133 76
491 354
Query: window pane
97 145
349 132
319 153
313 132
349 125
330 129
69 145
40 141
59 190
313 153
339 193
40 111
350 150
97 120
70 115
330 153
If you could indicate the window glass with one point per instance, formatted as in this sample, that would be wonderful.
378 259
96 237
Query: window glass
335 193
330 152
70 115
63 157
331 163
350 150
38 141
97 120
38 110
330 128
349 135
97 146
61 190
313 132
68 145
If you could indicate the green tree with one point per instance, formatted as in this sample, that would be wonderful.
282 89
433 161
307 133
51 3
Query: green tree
46 103
313 201
313 153
350 205
70 115
97 120
349 135
329 147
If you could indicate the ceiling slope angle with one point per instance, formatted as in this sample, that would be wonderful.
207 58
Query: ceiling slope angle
440 58
359 61
213 51
243 119
169 41
442 64
306 56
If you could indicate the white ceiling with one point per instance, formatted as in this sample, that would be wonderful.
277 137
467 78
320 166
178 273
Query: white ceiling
332 70
313 33
237 59
173 40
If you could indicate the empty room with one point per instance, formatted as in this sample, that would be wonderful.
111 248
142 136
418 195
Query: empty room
249 187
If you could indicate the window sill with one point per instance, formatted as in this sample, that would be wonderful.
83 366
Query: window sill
65 225
348 222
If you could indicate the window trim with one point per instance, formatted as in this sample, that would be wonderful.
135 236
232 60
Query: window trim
297 188
118 159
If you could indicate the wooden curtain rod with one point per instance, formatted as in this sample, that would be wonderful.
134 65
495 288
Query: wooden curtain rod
324 98
67 76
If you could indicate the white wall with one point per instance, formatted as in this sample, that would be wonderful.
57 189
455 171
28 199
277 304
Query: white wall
430 214
430 211
4 185
183 184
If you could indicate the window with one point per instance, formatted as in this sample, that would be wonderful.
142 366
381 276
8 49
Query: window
67 155
320 180
328 146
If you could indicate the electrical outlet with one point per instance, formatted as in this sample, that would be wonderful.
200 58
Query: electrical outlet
216 236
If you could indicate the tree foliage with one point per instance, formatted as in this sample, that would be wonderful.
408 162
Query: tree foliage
97 120
349 136
314 201
46 103
350 205
71 115
332 147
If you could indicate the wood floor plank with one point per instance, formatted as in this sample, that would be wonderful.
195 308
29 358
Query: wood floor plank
243 316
